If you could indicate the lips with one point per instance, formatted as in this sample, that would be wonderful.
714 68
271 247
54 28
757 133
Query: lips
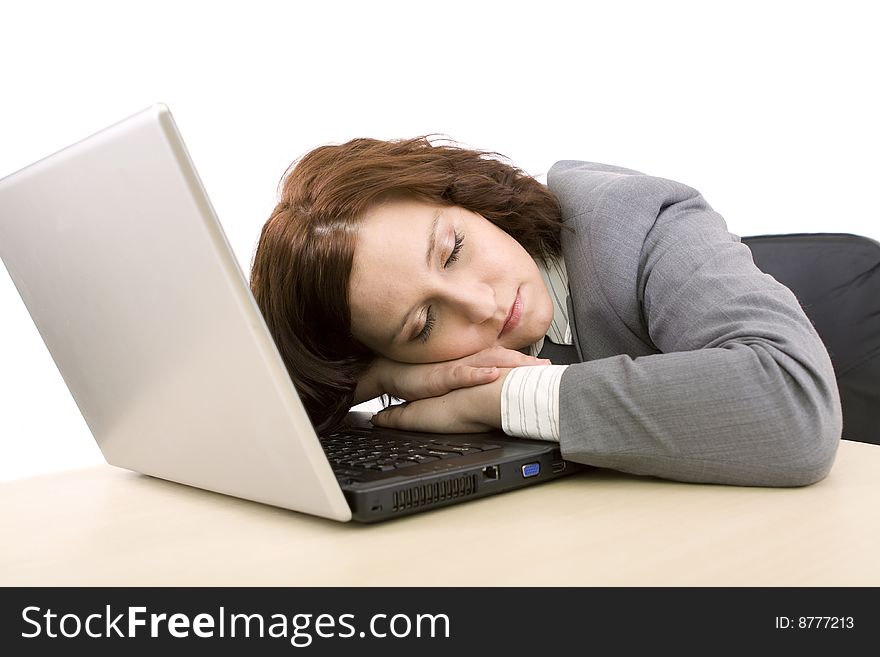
513 317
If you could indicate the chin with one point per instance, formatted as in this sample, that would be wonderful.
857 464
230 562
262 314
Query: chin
529 340
543 326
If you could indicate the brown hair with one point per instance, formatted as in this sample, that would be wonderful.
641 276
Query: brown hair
302 262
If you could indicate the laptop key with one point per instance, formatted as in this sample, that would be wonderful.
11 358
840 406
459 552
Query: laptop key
455 449
441 453
484 447
422 458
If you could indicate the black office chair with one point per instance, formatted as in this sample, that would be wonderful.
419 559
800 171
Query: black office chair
836 278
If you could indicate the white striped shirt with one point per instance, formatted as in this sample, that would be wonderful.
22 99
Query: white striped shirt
530 395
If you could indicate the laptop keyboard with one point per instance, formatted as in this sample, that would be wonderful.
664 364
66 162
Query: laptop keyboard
354 453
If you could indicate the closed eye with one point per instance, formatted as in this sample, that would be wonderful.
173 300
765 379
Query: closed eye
456 250
430 320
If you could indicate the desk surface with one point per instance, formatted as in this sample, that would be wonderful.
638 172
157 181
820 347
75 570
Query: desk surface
107 526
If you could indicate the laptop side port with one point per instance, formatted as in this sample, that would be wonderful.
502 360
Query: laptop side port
557 467
491 473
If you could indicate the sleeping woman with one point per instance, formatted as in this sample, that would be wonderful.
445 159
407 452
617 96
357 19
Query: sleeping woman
608 310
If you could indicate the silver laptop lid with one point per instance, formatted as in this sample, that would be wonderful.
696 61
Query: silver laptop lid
118 255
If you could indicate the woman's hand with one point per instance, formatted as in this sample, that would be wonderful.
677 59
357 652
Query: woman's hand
464 410
425 380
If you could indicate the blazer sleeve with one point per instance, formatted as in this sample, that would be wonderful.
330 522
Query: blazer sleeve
742 390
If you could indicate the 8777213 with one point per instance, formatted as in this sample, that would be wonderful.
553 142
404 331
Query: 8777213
815 622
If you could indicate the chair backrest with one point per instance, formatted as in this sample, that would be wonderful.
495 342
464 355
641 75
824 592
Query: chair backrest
836 279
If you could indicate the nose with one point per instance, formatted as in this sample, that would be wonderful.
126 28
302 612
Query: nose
475 301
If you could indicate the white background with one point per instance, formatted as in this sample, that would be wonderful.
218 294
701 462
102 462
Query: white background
768 108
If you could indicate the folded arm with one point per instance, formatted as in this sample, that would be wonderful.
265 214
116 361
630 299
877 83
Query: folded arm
743 391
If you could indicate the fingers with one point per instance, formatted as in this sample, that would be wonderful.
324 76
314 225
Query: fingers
464 376
431 415
389 417
445 377
407 417
420 381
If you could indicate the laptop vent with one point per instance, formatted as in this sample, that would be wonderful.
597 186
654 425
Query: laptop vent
435 492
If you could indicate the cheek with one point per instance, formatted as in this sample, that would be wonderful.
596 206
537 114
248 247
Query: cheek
371 307
455 350
367 333
435 351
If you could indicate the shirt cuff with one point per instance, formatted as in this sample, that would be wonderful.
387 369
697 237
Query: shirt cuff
530 402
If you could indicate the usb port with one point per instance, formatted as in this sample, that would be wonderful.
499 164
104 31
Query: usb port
531 469
557 467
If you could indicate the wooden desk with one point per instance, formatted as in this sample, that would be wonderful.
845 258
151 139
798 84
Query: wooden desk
106 526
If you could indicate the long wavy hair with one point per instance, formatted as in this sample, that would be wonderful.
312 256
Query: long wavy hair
302 262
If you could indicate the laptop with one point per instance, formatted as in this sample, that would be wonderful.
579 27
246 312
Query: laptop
122 263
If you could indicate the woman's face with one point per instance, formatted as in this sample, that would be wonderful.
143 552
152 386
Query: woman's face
432 283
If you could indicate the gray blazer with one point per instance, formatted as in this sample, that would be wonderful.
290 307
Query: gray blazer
696 365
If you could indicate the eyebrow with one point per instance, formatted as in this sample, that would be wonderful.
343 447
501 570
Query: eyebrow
432 239
429 258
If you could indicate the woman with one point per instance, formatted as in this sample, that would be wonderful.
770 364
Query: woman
447 277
